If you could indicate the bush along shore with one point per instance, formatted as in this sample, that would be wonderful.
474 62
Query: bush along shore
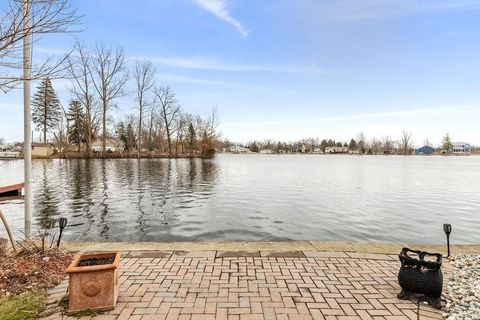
463 290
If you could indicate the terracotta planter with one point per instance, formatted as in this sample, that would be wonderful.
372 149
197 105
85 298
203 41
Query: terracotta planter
93 287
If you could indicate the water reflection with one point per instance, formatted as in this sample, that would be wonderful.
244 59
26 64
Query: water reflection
124 199
45 197
256 198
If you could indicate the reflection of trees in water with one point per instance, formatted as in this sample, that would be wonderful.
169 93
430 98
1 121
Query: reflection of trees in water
140 218
150 195
45 200
194 175
209 171
192 172
176 185
82 182
103 223
128 173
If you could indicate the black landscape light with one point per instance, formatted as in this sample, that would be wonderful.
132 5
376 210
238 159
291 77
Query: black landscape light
447 228
62 223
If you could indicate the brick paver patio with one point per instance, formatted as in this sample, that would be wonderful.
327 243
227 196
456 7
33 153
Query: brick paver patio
257 285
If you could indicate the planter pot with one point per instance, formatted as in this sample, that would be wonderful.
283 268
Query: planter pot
93 282
418 275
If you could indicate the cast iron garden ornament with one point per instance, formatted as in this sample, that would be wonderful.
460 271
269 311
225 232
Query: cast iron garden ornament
421 276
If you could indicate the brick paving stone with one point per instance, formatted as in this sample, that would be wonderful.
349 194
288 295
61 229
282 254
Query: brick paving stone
202 285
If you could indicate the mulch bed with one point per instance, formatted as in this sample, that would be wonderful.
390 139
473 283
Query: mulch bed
32 271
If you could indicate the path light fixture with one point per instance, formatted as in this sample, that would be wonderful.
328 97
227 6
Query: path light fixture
447 228
62 223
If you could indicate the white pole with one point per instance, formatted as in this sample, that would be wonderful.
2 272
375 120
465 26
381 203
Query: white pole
27 131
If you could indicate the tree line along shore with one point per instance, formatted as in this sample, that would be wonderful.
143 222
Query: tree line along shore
160 127
359 145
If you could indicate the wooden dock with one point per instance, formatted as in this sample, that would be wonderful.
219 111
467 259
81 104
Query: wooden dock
11 192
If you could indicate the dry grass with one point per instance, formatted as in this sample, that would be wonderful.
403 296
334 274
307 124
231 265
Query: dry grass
24 306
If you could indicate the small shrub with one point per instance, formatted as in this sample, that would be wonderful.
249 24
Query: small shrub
209 153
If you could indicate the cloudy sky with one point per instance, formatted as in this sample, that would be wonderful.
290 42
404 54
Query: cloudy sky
291 69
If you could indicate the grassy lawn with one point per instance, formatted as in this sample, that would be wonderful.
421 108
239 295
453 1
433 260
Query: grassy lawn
24 306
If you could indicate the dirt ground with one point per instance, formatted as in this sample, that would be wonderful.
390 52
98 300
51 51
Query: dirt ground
27 272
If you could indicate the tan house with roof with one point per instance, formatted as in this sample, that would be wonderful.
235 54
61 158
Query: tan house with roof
42 149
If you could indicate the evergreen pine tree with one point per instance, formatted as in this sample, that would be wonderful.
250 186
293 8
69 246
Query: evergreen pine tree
46 110
447 143
127 135
130 137
192 137
122 134
76 115
353 144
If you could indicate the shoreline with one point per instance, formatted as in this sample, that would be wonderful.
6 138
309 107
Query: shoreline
134 156
318 246
61 157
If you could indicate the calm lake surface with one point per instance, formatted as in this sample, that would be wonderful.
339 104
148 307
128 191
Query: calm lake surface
255 198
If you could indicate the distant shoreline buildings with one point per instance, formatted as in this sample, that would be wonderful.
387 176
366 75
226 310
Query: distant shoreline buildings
389 148
306 146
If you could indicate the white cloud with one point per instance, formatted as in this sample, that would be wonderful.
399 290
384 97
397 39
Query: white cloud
166 77
425 112
220 9
212 64
431 123
201 63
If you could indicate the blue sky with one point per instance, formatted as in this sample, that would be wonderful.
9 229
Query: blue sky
291 69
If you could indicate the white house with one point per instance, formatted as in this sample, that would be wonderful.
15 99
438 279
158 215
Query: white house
336 150
461 148
266 151
239 149
111 145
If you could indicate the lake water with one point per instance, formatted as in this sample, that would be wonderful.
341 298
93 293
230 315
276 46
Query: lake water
256 198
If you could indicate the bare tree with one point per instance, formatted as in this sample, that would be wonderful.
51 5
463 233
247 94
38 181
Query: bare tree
110 75
144 79
406 142
387 144
151 125
210 135
44 17
169 112
79 68
361 142
61 132
180 127
375 145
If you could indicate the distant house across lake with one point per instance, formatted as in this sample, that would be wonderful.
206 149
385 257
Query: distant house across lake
266 151
425 150
336 150
42 149
111 145
238 149
461 148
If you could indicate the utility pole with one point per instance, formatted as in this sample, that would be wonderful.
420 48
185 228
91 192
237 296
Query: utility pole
27 130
